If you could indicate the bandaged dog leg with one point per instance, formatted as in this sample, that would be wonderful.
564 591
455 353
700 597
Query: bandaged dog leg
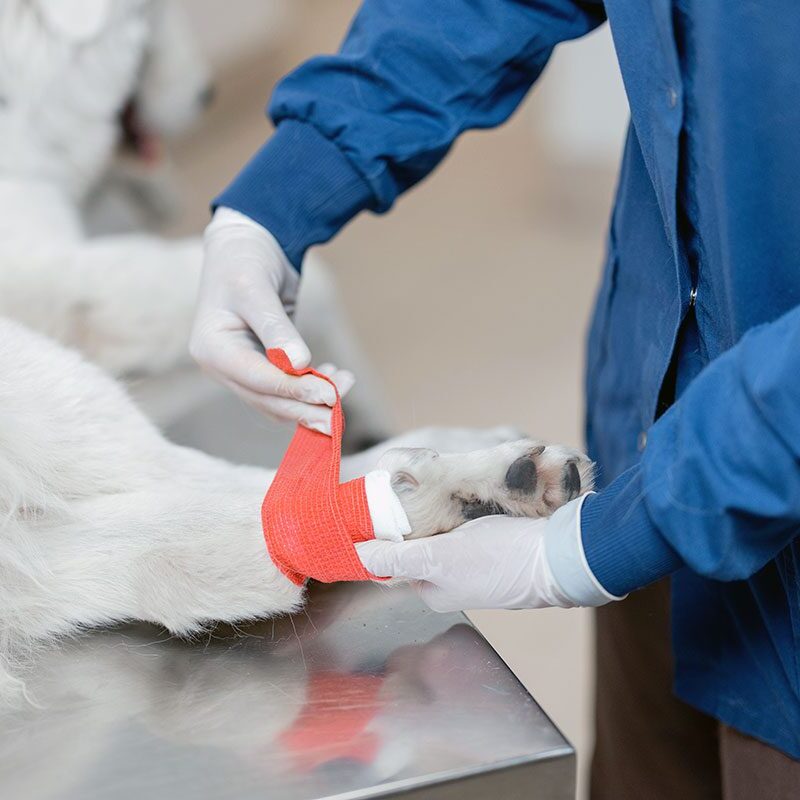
311 521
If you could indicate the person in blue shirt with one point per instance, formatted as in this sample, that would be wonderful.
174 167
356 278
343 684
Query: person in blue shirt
693 376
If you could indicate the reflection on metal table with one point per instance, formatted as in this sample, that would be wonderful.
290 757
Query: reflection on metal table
365 694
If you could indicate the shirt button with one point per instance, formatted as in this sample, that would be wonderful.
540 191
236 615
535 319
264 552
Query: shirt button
641 442
672 97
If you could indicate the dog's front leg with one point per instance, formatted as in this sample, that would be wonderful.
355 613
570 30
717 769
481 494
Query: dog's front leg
181 555
206 558
134 301
442 439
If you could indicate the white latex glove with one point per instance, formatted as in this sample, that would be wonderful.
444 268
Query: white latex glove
247 296
494 562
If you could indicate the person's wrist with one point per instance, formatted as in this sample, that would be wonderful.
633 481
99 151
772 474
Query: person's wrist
227 223
566 559
301 187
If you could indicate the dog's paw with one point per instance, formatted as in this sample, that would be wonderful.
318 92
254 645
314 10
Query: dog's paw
523 478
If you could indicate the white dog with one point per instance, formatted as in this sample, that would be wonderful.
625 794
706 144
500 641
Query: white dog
69 69
103 520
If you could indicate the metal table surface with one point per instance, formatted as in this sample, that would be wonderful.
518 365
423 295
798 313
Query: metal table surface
365 694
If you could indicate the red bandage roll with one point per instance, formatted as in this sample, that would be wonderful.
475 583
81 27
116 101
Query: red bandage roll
341 730
310 520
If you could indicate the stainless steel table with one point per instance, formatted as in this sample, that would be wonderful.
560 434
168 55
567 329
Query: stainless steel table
365 694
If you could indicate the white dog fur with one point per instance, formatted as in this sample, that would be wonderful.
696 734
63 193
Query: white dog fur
67 69
101 519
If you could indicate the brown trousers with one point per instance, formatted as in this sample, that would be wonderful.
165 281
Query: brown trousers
650 745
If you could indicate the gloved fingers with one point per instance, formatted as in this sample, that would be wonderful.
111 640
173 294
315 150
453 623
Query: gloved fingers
265 314
409 560
498 525
315 417
343 378
232 355
437 598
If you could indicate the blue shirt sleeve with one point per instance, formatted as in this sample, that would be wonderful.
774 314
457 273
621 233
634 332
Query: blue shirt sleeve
356 129
718 486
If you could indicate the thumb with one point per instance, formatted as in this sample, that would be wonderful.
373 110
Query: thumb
271 324
409 560
437 599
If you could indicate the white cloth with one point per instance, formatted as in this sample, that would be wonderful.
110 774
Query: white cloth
389 520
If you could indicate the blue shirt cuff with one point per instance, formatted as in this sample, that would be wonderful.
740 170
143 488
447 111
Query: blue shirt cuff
300 187
623 548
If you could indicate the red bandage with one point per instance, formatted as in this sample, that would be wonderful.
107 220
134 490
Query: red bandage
310 520
334 723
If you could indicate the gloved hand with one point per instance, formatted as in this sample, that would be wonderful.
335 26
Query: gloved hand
495 562
247 296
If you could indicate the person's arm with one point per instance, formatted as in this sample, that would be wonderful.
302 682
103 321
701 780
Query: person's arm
356 129
718 486
717 490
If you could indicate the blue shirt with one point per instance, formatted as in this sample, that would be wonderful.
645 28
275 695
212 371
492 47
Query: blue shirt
700 298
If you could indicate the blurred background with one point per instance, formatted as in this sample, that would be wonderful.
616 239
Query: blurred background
471 298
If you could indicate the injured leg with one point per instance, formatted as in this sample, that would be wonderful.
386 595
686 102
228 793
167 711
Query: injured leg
312 521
